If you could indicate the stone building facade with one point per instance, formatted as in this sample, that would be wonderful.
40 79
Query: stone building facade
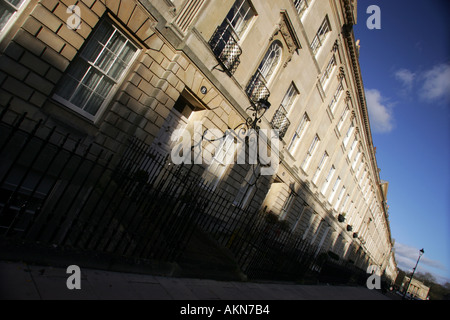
416 289
106 70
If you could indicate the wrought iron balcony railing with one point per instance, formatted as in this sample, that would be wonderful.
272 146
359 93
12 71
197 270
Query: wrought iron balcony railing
225 46
280 121
257 89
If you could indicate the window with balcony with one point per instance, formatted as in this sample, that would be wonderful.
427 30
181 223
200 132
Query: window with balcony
96 71
280 120
225 41
257 88
320 35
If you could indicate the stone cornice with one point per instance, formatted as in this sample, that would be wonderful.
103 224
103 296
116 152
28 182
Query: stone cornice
350 19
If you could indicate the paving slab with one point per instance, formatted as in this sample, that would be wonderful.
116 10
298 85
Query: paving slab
177 288
16 282
22 281
110 286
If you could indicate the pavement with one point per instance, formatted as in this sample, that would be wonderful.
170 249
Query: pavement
22 281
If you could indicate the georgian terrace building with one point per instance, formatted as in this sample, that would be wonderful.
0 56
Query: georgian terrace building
106 70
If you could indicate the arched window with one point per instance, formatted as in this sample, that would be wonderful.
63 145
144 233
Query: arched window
257 88
270 61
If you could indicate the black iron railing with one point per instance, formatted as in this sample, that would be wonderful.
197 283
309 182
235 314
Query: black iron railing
280 121
57 192
225 46
257 89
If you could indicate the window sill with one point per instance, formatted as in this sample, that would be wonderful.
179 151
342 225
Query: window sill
67 117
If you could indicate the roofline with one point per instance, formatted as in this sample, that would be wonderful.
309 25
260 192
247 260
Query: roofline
349 36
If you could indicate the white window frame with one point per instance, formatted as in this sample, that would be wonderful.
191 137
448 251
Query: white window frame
328 179
349 134
353 148
351 217
367 190
290 97
17 10
117 81
299 132
317 231
287 205
361 164
310 153
243 19
339 198
355 162
324 79
336 96
343 117
219 163
362 177
334 189
322 240
271 61
300 6
247 188
322 163
321 35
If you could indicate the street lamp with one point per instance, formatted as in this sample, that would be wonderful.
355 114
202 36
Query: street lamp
257 109
421 252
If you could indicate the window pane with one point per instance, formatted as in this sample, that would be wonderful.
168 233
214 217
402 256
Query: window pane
270 60
127 53
70 84
93 74
85 89
289 97
78 69
15 3
71 80
92 78
105 60
239 16
81 96
5 14
104 32
104 87
92 50
116 43
116 70
94 104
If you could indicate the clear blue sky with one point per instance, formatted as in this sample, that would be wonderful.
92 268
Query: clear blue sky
406 73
